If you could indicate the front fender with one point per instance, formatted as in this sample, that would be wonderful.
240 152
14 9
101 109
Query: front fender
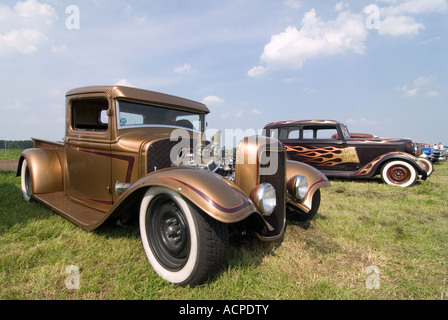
45 170
211 193
316 180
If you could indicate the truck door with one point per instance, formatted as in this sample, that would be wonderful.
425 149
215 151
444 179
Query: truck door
88 152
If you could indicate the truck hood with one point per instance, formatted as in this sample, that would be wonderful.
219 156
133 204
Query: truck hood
133 139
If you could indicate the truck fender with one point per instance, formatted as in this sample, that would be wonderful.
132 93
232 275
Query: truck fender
45 170
208 191
316 180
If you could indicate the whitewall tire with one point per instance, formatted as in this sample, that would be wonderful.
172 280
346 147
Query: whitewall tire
25 182
399 173
183 245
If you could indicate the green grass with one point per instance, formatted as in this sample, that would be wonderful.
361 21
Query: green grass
10 154
404 232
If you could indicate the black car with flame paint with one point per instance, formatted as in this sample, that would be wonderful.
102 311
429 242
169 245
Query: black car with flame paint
328 146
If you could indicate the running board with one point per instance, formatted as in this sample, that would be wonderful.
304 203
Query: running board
85 217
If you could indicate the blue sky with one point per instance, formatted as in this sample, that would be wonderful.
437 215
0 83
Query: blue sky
379 66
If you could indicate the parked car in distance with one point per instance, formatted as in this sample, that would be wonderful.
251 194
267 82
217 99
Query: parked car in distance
133 153
328 146
429 152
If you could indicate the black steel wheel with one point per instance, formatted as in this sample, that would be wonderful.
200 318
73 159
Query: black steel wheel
183 245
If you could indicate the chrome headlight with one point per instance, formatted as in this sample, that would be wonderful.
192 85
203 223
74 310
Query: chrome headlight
298 186
264 197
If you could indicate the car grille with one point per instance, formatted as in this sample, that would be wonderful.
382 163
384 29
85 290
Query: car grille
159 154
277 179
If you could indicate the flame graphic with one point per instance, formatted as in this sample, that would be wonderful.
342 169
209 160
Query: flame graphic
325 156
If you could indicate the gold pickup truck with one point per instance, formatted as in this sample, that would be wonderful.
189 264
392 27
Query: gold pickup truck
133 153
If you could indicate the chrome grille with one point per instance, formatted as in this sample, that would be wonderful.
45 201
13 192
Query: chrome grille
277 179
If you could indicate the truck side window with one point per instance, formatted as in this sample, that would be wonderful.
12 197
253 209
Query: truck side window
90 114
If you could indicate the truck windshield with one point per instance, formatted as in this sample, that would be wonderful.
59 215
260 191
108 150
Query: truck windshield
133 114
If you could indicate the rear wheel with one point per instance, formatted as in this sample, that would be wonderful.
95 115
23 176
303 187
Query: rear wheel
25 182
183 245
399 173
427 164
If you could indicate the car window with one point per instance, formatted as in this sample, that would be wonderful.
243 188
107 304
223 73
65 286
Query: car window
132 114
326 133
322 133
294 133
308 133
90 114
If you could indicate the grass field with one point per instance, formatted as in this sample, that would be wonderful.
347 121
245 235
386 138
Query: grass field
368 241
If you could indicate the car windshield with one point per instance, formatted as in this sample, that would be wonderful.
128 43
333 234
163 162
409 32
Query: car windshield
345 132
133 114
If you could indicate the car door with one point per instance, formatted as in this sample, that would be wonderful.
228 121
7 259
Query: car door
318 145
88 152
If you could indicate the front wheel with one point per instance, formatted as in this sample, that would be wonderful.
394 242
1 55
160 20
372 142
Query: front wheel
399 173
427 164
25 182
299 215
184 246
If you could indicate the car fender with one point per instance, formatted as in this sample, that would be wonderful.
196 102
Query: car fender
373 168
208 191
45 170
316 180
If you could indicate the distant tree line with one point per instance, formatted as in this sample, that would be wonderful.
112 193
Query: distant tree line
16 144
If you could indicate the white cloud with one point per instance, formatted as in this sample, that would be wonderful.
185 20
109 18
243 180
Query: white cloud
33 10
239 113
294 4
420 82
22 41
16 105
432 94
290 80
291 48
212 101
400 25
416 7
256 71
24 27
183 69
255 111
408 92
59 48
340 6
124 82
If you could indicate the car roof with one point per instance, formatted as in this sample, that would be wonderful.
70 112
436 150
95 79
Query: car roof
142 95
297 122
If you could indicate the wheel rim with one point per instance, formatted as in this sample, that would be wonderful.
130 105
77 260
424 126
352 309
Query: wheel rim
398 174
168 233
